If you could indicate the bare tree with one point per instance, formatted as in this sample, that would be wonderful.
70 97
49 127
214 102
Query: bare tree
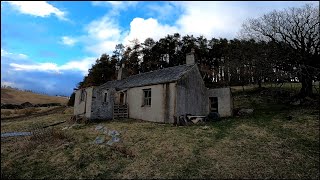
296 28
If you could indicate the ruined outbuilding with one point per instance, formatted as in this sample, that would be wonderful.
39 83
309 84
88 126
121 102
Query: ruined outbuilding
155 96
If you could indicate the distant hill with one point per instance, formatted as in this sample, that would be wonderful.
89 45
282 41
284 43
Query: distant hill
13 96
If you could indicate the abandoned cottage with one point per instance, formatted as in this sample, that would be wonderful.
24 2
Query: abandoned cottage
155 96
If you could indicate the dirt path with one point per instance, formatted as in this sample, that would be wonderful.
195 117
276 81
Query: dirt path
51 111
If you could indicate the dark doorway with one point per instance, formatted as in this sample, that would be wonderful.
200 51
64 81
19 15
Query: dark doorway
121 98
213 104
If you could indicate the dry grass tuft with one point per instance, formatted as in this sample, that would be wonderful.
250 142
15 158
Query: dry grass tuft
49 137
68 111
6 113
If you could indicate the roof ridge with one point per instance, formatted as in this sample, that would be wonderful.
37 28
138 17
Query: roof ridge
173 73
160 70
186 72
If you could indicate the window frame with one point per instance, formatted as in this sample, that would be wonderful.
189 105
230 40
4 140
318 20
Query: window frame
146 101
105 97
214 104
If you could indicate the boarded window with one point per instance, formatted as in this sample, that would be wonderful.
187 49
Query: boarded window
213 104
147 97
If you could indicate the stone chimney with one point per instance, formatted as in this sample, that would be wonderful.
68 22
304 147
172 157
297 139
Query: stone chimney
190 57
122 72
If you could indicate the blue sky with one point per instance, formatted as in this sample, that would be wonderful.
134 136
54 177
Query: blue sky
49 46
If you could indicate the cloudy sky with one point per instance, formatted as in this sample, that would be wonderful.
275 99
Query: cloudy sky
49 46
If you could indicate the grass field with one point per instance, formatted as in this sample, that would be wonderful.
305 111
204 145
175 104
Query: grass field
262 145
287 86
12 96
26 111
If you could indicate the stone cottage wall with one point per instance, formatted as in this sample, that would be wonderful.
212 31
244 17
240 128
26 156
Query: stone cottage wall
162 103
81 107
191 94
225 103
101 109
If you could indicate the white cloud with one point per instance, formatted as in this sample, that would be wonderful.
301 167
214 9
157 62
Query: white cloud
199 18
103 29
102 36
68 40
115 3
77 65
208 18
144 28
81 65
37 8
35 67
5 53
211 19
223 19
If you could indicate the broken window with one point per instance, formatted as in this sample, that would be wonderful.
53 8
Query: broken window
213 104
147 97
105 97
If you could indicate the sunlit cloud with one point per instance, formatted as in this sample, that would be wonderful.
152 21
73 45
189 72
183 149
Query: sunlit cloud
16 56
77 65
37 8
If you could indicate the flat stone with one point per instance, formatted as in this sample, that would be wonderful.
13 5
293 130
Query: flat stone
12 134
113 133
246 111
99 127
205 127
99 140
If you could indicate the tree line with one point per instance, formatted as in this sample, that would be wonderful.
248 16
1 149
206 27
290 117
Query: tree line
281 46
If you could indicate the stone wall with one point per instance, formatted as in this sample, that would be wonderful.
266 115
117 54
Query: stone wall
225 100
191 94
162 103
81 107
101 109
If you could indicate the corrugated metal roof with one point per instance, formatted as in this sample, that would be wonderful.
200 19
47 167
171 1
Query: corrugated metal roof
154 77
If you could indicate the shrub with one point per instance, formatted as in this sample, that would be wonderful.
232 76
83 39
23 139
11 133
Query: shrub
6 113
49 135
29 111
17 111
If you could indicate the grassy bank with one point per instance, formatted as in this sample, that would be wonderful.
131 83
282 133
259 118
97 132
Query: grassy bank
13 96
